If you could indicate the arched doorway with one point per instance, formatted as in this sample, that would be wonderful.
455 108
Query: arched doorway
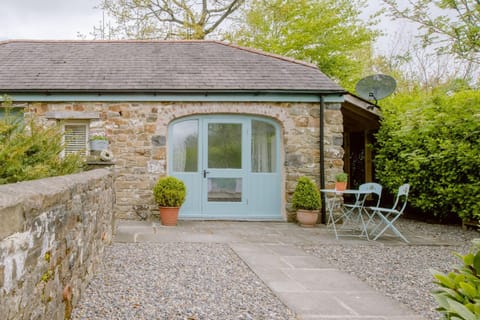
230 165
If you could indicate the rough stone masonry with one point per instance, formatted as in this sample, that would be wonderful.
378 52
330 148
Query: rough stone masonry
52 235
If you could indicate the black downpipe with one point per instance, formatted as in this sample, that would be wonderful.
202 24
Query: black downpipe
322 157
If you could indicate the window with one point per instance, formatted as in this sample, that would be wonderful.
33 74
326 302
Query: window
12 112
76 137
75 129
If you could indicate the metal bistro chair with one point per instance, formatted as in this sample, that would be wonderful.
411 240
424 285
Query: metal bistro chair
388 216
355 210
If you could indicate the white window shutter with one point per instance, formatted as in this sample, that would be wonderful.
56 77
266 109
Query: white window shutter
75 136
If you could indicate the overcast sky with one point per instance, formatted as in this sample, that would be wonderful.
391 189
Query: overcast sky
47 19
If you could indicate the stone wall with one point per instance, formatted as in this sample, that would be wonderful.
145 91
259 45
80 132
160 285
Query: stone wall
138 139
52 234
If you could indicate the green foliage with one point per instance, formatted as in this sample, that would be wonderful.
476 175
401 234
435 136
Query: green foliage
306 195
98 138
458 294
433 142
328 33
341 177
169 192
29 151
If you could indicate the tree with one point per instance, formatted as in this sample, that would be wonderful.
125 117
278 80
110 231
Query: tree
415 67
328 33
456 29
165 19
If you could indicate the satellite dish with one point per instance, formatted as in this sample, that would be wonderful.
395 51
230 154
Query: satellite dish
376 87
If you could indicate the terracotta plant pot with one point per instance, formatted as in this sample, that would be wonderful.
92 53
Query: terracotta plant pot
307 218
340 186
169 215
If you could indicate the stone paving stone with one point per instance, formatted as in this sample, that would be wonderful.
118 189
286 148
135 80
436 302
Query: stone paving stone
319 303
306 262
285 250
265 260
330 280
362 304
285 285
153 237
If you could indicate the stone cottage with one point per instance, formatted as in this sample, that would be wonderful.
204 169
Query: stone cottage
238 126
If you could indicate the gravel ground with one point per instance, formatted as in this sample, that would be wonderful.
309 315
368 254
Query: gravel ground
187 281
402 272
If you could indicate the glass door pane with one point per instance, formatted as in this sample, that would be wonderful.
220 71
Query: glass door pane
185 146
225 145
264 147
224 189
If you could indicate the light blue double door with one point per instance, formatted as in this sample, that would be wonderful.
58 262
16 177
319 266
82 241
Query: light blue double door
230 165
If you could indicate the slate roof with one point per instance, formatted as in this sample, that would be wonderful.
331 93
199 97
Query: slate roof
152 66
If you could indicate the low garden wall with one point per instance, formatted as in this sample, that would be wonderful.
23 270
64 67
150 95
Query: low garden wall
52 235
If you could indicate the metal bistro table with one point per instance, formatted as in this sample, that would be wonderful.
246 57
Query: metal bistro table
349 213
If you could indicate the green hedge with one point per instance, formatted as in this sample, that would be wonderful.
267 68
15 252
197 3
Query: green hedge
433 143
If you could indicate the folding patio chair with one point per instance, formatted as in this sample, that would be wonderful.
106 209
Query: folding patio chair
355 210
389 216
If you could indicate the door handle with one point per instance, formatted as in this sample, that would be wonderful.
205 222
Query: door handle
205 172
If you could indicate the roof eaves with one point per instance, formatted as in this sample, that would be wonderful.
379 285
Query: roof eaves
362 103
176 91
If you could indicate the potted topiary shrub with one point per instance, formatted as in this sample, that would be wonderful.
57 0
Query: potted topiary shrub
98 143
341 181
306 200
169 194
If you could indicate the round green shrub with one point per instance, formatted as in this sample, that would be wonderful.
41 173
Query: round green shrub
306 195
169 192
341 177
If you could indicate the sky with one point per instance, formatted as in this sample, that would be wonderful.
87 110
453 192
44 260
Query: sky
47 19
